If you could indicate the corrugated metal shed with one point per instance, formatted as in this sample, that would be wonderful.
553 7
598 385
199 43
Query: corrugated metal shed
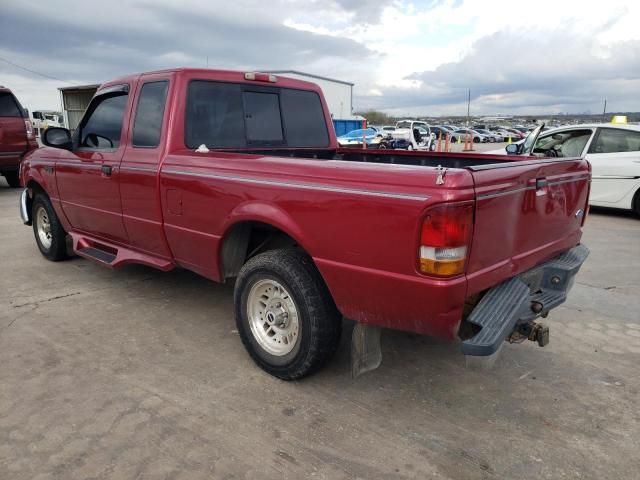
74 102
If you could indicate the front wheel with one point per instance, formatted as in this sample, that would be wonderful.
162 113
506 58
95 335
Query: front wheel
636 203
50 236
285 315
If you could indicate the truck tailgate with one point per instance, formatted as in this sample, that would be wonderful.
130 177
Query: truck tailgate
526 213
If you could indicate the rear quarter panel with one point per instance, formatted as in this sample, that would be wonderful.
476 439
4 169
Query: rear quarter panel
359 222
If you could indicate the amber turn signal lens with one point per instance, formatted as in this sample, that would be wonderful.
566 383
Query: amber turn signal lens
441 268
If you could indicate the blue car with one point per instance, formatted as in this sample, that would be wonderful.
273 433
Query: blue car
354 138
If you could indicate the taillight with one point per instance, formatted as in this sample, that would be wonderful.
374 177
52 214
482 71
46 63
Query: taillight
445 239
29 128
260 77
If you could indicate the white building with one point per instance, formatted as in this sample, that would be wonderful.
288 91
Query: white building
337 93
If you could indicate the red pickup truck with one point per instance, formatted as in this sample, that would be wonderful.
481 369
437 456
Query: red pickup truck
238 176
16 136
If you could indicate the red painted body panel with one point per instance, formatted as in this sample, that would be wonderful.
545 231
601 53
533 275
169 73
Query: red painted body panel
360 222
14 143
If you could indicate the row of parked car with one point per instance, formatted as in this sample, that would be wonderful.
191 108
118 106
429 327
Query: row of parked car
418 135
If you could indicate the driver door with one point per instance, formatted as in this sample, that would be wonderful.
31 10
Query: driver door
88 176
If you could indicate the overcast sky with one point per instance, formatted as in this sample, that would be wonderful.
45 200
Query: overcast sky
404 57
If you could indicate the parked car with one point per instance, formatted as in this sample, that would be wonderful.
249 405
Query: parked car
388 128
16 136
477 137
612 150
259 192
415 134
516 134
41 120
442 132
491 136
354 137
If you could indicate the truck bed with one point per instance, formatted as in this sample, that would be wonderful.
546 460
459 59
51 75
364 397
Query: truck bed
394 157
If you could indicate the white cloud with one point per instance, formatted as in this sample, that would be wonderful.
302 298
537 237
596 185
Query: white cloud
414 56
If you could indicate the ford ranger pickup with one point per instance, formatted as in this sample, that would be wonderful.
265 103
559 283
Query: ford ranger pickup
16 136
238 177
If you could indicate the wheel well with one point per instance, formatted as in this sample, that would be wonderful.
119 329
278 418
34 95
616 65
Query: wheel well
34 188
635 205
246 240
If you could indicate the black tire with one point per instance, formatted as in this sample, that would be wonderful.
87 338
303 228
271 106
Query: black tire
476 140
319 321
636 203
57 250
13 179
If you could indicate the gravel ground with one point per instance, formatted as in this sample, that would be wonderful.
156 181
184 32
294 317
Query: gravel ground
141 374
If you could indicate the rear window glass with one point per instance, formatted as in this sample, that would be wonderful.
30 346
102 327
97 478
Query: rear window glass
262 118
226 115
303 118
8 107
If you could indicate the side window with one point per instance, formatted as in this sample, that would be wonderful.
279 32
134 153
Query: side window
8 106
262 118
147 125
102 129
214 115
611 140
563 144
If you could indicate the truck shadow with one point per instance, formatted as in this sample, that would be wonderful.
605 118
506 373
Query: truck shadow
406 355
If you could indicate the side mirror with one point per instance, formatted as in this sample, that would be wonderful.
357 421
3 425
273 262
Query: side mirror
512 149
57 137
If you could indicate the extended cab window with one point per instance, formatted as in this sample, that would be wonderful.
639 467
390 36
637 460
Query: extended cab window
102 129
148 123
8 106
611 140
226 115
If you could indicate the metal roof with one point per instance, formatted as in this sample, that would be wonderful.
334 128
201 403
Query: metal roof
80 87
310 75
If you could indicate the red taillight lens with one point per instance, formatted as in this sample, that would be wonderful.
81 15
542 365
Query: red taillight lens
445 238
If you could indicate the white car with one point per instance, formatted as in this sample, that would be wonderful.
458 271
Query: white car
612 150
417 134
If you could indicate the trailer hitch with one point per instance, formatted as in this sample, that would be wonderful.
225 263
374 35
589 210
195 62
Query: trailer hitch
534 331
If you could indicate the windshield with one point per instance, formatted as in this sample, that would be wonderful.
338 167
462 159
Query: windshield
403 125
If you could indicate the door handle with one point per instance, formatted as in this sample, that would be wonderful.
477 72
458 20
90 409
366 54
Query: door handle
107 169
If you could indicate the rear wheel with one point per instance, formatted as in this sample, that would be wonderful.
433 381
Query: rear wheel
13 179
285 315
50 236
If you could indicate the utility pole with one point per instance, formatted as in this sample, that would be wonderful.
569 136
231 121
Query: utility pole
604 111
207 61
468 106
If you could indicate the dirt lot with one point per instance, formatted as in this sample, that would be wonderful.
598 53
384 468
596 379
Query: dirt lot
140 374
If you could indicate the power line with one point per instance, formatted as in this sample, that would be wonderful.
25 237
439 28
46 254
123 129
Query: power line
34 72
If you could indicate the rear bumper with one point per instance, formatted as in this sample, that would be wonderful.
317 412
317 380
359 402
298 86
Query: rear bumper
521 299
